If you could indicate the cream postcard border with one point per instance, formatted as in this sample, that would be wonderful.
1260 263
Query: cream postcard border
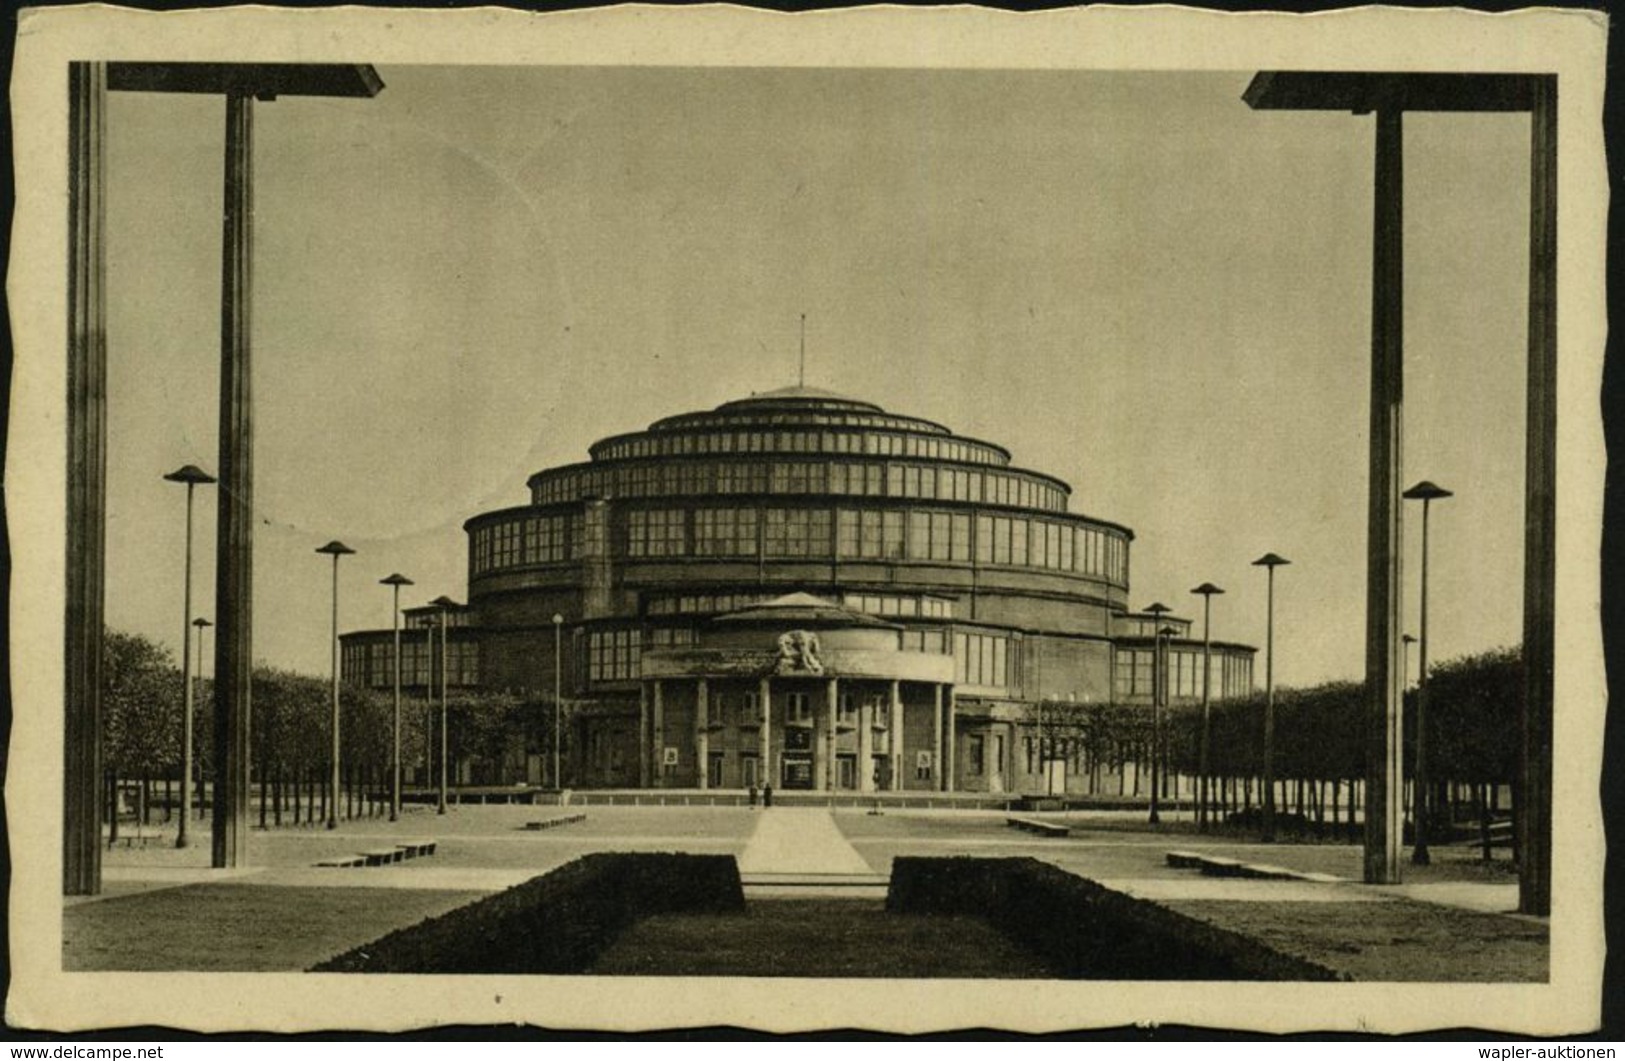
1570 43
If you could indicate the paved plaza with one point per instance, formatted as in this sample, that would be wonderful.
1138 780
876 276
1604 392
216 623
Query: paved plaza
163 908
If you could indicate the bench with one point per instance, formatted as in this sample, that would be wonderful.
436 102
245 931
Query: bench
1033 825
382 856
550 823
1218 866
140 836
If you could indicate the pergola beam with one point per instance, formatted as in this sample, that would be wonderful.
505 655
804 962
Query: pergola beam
240 84
1389 95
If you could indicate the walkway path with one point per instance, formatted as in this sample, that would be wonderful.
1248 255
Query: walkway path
799 853
799 840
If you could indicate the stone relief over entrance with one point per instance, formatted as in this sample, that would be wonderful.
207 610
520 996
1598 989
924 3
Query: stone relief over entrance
798 653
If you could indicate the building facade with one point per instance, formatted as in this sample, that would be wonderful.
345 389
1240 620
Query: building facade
807 590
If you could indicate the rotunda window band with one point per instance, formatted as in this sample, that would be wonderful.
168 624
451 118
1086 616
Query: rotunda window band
771 532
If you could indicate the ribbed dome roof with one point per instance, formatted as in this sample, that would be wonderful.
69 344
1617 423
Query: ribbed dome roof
799 609
798 394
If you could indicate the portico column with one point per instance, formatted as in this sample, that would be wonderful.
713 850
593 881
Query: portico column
645 744
702 736
1384 692
866 746
896 736
764 740
832 776
953 730
941 768
657 737
234 551
86 483
1540 512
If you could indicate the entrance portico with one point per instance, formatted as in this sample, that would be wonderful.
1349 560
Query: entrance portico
799 693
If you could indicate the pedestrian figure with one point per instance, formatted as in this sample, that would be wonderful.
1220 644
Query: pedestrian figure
753 795
767 796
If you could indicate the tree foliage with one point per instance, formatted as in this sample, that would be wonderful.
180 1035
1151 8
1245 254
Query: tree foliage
141 705
1320 731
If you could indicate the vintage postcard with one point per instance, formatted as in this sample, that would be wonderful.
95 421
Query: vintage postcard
892 518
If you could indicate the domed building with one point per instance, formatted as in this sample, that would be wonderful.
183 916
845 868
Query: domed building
806 589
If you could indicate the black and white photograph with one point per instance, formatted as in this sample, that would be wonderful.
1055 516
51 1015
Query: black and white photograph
890 519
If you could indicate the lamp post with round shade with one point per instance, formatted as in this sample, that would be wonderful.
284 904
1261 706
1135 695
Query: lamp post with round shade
446 605
558 627
200 624
1159 680
1269 561
1427 493
1167 634
395 582
1208 591
193 477
335 550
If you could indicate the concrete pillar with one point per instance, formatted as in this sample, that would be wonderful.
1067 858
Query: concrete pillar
657 736
1384 538
940 781
645 743
951 744
702 733
597 574
824 742
86 482
895 738
764 740
234 549
1540 511
866 746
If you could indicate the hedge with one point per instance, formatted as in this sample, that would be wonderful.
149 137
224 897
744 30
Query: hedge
1084 930
555 923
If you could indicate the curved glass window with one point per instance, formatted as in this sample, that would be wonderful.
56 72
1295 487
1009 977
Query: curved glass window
795 532
1231 673
700 478
725 532
878 534
613 655
519 541
373 665
985 659
890 605
809 438
656 532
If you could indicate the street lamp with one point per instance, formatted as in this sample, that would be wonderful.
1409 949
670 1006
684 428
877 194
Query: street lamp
445 604
1427 493
200 623
558 626
1158 680
1269 561
1207 591
193 477
335 550
395 582
1167 634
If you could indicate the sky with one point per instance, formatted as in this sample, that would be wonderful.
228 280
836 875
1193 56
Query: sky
1130 280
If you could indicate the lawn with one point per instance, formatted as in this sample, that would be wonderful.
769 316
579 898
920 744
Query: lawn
817 938
238 927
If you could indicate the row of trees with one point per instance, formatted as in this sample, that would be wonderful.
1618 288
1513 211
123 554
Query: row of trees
1320 736
1319 730
290 732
